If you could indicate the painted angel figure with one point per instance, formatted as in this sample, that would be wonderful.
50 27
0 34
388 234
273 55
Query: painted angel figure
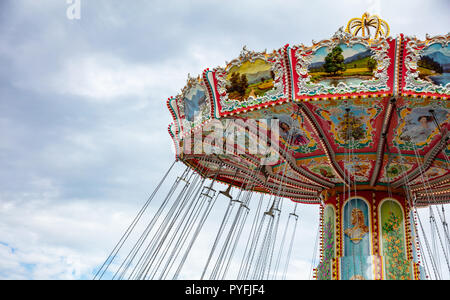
359 229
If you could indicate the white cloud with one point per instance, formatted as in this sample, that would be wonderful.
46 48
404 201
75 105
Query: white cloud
299 270
374 7
45 239
104 77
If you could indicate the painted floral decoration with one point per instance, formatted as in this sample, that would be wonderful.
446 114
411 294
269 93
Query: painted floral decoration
324 269
397 267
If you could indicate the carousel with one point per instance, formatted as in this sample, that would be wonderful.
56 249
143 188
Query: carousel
356 124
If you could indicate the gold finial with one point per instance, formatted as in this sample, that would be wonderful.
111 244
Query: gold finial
363 24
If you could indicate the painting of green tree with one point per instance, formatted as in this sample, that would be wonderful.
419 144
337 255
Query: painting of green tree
434 64
342 63
250 79
334 61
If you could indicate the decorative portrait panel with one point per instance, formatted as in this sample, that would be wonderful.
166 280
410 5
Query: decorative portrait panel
418 122
356 262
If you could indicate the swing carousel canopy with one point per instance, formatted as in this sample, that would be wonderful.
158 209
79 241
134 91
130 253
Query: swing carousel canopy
367 112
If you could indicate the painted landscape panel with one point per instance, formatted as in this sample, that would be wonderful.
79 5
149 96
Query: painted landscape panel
250 79
350 65
434 64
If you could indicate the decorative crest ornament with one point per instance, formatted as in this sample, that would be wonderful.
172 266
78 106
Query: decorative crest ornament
363 24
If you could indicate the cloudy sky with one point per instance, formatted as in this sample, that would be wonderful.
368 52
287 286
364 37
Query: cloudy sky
83 120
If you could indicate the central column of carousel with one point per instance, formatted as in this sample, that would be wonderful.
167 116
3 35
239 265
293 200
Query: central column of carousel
367 234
